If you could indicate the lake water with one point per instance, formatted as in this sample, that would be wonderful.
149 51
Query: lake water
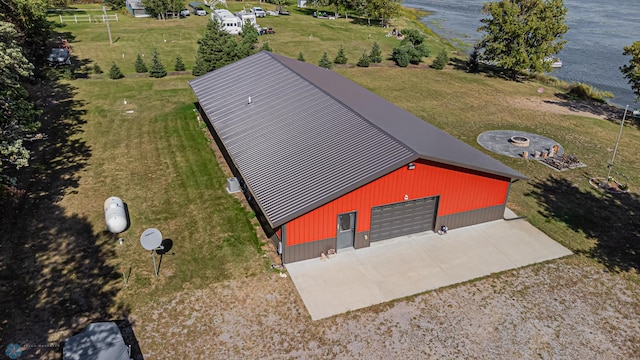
598 30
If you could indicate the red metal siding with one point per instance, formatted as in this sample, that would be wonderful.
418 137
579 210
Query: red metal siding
459 189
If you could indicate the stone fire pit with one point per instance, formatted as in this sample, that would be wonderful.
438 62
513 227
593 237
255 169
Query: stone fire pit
520 141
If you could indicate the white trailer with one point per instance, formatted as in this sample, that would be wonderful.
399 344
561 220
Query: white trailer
227 21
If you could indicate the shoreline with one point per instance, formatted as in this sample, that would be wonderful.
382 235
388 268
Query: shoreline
423 14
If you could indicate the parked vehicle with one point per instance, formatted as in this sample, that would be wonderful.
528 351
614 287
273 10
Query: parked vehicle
246 16
197 8
228 22
184 12
258 12
59 57
282 11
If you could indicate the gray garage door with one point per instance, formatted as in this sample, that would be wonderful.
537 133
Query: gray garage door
403 218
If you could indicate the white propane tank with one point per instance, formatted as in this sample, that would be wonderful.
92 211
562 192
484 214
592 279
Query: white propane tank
115 215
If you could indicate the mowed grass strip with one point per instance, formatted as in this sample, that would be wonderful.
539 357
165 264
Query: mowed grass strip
158 160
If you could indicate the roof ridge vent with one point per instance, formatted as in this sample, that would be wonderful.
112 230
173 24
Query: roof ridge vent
249 101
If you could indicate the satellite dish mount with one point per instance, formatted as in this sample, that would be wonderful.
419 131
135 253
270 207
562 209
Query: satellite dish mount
151 239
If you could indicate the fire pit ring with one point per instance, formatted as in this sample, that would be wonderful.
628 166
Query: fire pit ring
520 141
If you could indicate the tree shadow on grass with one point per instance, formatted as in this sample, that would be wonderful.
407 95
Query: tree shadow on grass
609 112
54 271
611 220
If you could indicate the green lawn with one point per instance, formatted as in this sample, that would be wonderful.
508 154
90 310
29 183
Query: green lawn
183 187
153 153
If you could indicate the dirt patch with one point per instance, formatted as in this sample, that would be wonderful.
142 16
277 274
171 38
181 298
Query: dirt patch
568 107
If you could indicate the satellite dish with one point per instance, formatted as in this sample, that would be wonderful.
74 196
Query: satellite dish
151 239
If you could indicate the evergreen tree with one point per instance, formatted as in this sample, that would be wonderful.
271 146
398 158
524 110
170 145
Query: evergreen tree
141 67
301 57
473 63
324 61
248 42
375 56
441 60
213 51
157 69
97 69
266 47
364 60
179 64
341 58
632 71
401 56
520 35
115 73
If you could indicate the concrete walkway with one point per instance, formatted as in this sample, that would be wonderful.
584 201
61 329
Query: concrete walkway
392 269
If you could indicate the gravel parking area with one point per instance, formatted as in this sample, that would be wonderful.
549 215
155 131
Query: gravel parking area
562 309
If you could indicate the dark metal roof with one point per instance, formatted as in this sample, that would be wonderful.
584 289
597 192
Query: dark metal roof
301 135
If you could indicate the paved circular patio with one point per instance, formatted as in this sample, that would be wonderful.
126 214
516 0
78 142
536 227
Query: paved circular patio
499 141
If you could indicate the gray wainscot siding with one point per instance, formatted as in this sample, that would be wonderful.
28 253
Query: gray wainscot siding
471 217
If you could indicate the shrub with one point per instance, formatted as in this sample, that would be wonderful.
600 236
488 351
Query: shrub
140 66
301 57
423 50
68 74
375 56
179 64
341 58
586 92
441 60
266 47
324 61
413 36
364 60
97 69
400 55
115 73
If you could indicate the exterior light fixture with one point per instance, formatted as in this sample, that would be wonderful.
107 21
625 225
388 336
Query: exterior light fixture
411 166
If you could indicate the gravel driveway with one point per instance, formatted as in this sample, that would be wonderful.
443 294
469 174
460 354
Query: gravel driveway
564 309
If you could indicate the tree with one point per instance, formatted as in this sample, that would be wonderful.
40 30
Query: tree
364 60
29 19
473 63
266 46
632 71
179 64
140 66
441 60
521 35
159 8
116 4
375 55
115 73
97 69
385 9
249 40
18 115
324 61
341 58
411 49
157 69
301 57
216 49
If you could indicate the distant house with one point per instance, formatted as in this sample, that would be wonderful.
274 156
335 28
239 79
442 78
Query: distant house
302 3
327 164
136 8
